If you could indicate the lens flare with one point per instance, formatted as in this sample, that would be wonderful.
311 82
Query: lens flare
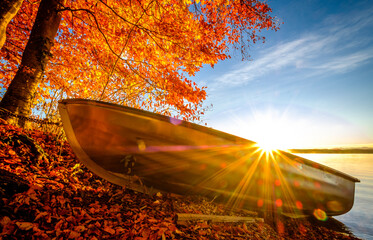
175 121
141 145
260 202
299 205
277 182
278 203
320 214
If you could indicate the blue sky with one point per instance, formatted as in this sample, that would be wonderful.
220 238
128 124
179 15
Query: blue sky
309 85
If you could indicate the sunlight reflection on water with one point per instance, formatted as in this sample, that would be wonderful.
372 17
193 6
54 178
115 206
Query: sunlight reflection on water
359 219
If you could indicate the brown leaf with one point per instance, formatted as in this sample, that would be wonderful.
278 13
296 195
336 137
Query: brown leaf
109 230
59 224
11 152
8 229
25 225
71 219
74 235
80 228
5 220
202 232
97 224
42 214
152 220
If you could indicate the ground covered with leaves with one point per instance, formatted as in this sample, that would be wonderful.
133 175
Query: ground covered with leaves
45 193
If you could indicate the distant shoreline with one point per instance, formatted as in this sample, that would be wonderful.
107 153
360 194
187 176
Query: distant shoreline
339 151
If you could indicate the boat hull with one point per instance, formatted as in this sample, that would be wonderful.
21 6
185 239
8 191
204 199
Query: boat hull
137 148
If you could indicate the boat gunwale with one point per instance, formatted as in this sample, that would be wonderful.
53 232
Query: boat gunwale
208 130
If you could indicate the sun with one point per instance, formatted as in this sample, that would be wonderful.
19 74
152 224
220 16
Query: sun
267 146
269 142
271 131
270 135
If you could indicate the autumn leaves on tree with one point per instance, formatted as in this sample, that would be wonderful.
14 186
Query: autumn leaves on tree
136 53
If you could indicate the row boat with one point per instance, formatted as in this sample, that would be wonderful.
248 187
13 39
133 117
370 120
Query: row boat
139 149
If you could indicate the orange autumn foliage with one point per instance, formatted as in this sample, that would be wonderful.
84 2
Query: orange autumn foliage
136 53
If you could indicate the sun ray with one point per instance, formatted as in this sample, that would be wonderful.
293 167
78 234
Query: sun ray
287 197
239 194
230 167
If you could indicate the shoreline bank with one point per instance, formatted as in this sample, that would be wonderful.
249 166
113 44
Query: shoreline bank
50 195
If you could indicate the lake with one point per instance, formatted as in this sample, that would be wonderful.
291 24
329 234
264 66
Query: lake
360 218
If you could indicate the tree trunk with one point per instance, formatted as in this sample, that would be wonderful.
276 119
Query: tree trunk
18 98
8 9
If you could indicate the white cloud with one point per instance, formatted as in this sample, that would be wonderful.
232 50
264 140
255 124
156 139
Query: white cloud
347 62
337 48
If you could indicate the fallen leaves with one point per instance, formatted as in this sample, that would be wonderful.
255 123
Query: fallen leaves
66 201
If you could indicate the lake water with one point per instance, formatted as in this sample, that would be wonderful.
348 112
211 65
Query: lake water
360 218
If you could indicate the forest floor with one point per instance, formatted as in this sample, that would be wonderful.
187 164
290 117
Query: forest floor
46 193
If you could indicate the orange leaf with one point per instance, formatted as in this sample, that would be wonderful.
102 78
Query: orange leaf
109 230
74 235
80 228
42 214
11 152
24 225
5 220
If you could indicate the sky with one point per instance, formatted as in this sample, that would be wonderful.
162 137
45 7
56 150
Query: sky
310 85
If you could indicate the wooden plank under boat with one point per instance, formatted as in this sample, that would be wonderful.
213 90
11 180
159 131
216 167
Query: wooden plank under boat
126 146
